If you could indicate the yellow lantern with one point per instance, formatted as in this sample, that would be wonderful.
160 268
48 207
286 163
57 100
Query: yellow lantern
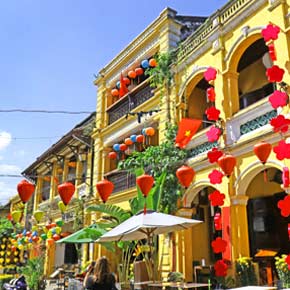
61 206
38 215
16 215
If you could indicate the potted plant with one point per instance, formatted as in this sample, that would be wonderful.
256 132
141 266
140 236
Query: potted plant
33 273
283 271
245 272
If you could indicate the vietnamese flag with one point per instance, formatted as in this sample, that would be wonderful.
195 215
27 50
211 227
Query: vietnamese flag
186 129
123 88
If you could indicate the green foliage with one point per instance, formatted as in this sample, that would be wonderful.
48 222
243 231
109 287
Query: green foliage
245 272
163 160
112 210
33 272
162 75
6 227
283 270
78 214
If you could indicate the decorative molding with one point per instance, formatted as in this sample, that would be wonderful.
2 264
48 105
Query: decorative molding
239 200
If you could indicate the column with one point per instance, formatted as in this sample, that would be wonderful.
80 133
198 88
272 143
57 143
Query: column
239 227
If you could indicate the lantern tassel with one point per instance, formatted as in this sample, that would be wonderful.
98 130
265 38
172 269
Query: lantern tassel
265 175
145 209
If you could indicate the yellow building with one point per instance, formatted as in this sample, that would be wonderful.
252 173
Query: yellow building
230 41
68 160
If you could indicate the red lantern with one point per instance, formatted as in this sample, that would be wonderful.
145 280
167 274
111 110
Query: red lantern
56 237
35 239
132 74
262 151
217 221
25 190
105 188
140 138
126 81
50 242
112 155
139 71
66 191
185 175
115 92
227 163
128 142
145 183
285 177
123 147
153 62
210 93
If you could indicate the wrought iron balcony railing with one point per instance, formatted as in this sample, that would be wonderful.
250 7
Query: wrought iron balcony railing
122 180
132 100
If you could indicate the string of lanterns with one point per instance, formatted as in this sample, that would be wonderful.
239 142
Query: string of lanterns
132 74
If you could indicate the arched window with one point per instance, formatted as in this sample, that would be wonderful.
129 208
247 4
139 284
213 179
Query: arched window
253 84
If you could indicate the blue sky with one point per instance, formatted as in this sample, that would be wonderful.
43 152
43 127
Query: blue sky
49 53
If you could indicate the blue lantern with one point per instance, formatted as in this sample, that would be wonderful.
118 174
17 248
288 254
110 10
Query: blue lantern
24 232
145 63
118 84
116 147
143 131
133 138
34 234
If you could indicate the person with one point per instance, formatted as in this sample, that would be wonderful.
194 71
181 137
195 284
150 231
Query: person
99 277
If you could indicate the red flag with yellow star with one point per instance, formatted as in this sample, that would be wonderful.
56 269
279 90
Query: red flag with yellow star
186 129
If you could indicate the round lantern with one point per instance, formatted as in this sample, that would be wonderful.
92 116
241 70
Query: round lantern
116 147
149 131
227 163
139 71
105 188
185 175
38 215
61 206
118 84
140 138
152 62
50 241
133 138
145 183
66 191
145 63
16 215
126 81
128 141
56 237
112 155
132 74
262 151
25 190
123 147
115 92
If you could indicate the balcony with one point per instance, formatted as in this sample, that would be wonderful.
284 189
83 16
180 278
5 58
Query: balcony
132 100
250 121
122 180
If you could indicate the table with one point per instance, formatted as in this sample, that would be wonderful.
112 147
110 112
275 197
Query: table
178 285
255 287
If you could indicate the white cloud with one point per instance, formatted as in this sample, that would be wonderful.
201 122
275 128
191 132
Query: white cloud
9 169
5 139
7 191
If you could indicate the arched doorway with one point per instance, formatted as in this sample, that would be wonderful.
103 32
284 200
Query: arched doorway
268 233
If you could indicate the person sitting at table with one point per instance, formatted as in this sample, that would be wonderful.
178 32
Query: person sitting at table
99 277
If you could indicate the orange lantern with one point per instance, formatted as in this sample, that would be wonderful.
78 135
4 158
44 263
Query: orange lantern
128 142
66 191
50 242
25 190
112 155
153 62
150 131
227 163
105 188
185 175
139 71
132 74
115 92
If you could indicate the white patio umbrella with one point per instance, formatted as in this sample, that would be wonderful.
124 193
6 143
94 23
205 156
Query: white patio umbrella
144 226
